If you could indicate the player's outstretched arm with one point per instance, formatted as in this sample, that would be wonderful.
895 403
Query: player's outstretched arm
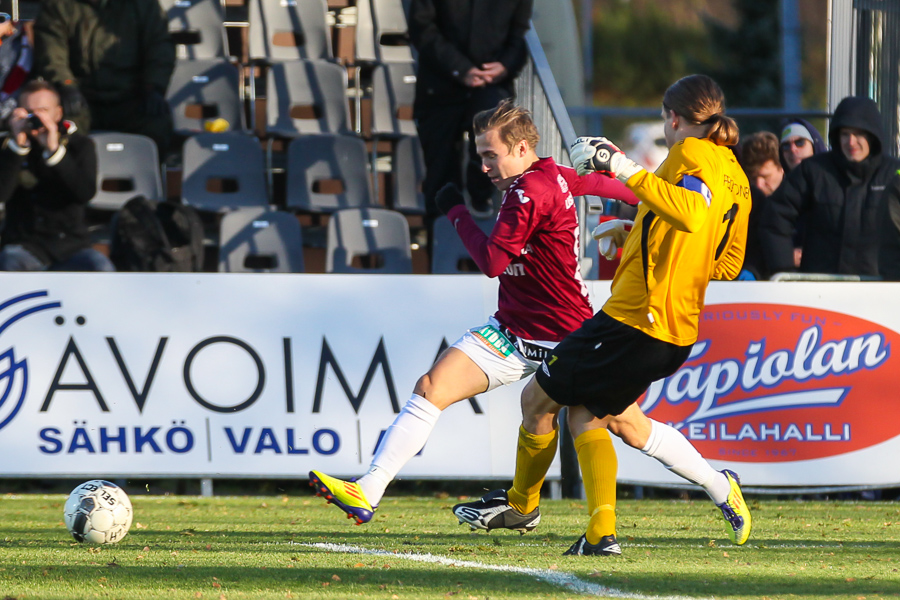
599 155
490 258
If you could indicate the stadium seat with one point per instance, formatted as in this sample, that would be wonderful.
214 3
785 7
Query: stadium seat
306 96
203 90
258 240
326 173
391 33
127 166
381 32
393 94
448 254
288 30
223 171
377 237
197 28
407 176
364 43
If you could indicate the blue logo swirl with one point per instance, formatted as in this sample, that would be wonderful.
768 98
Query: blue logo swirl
10 367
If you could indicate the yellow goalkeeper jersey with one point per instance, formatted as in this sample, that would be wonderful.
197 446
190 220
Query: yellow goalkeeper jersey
691 227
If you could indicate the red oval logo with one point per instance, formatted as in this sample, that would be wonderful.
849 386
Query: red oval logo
774 383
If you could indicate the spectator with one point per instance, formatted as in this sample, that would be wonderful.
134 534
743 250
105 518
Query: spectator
48 172
15 63
111 60
469 53
760 160
799 140
839 194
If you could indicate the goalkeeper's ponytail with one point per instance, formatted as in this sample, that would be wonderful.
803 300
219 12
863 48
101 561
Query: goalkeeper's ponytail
699 99
724 131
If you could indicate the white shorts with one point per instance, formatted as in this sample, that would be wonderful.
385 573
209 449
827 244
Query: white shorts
501 361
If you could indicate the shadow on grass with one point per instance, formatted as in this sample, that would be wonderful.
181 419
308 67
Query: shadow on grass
372 574
361 574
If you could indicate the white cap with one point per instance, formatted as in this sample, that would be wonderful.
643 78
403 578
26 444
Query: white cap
796 130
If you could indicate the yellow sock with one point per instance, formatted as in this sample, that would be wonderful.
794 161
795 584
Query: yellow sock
599 464
534 453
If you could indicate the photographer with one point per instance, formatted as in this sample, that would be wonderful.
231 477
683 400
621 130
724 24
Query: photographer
48 173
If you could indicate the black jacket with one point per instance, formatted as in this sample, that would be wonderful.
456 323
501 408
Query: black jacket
841 202
452 36
45 205
113 49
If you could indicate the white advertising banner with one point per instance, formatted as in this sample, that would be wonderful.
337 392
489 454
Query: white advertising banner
208 375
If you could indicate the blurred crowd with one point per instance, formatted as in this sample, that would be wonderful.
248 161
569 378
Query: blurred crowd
820 205
822 210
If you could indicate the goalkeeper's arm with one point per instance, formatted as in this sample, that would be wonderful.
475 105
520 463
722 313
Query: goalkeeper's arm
599 155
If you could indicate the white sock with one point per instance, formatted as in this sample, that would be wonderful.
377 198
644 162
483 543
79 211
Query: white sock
402 440
671 448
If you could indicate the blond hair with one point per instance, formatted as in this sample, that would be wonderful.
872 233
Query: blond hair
513 124
699 100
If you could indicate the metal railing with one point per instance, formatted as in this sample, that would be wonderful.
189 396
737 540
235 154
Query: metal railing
537 91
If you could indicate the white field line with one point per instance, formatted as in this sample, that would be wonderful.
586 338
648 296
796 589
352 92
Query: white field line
562 579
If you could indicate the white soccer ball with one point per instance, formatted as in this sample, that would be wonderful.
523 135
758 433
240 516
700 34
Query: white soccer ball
98 512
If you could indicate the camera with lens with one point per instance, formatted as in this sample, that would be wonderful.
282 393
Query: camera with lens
33 121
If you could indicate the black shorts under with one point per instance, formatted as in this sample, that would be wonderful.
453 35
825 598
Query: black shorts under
605 365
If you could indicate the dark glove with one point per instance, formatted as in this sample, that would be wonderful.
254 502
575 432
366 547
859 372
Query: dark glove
448 197
73 103
155 104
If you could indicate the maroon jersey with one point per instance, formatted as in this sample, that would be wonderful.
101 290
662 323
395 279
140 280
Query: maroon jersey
534 248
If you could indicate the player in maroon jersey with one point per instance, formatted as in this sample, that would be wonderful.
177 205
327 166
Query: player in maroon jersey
533 249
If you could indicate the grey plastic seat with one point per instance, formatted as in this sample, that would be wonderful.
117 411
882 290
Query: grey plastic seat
127 166
223 171
393 94
391 31
375 234
326 173
306 96
408 176
259 240
448 254
203 90
288 30
364 42
381 32
197 28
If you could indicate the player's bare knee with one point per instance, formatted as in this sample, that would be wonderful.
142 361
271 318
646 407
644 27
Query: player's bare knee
425 387
428 389
538 410
632 426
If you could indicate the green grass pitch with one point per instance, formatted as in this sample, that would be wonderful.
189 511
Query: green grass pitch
282 547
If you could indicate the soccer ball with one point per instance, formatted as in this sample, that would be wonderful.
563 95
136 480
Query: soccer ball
98 512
